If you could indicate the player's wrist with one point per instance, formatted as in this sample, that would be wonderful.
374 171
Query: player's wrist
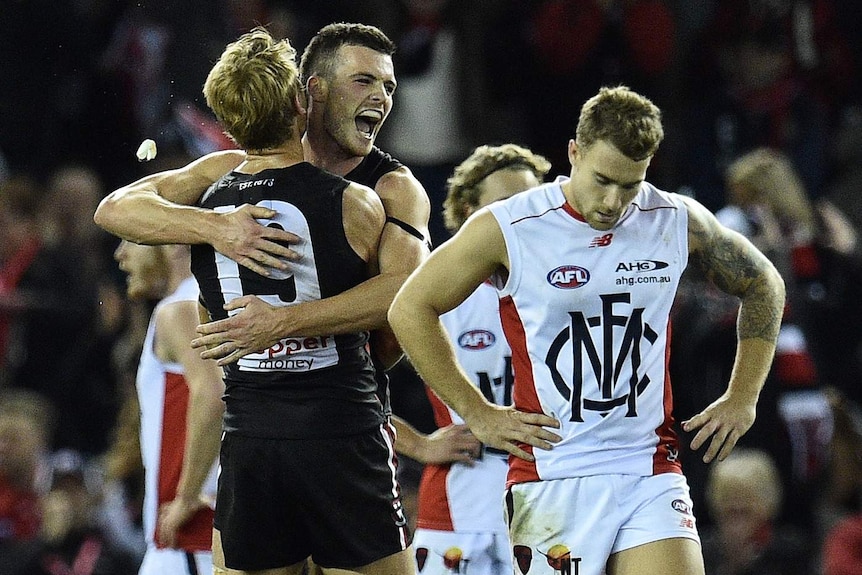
188 500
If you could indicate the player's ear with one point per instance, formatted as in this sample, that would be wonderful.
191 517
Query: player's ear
300 100
316 88
573 151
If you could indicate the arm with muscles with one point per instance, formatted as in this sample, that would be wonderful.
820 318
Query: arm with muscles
159 209
175 327
259 325
736 267
445 280
450 444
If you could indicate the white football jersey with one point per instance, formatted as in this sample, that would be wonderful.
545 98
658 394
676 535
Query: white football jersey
460 497
163 396
586 313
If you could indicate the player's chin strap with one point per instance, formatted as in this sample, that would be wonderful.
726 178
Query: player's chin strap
410 230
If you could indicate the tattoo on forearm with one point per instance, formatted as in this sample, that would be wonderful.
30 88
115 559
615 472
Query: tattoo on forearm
738 269
760 316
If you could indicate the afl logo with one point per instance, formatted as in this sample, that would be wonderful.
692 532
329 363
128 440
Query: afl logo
681 506
568 277
476 339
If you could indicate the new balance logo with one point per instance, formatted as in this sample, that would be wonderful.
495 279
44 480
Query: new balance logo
602 241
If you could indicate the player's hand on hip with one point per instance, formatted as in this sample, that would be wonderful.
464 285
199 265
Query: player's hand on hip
452 444
260 248
515 431
250 330
722 423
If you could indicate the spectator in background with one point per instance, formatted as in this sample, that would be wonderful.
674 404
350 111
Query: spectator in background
744 495
823 260
26 423
71 540
49 322
842 543
72 193
769 73
427 130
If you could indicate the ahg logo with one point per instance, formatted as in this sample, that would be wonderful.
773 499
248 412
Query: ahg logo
568 277
641 266
476 339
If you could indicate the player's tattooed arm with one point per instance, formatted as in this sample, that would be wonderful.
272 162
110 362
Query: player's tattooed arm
734 265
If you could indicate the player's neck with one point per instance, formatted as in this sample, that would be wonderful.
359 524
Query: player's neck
287 154
327 155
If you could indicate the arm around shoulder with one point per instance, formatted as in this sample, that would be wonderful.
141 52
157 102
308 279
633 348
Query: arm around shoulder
157 209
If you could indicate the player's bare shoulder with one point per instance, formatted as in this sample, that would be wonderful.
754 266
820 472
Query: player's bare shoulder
404 198
363 219
724 256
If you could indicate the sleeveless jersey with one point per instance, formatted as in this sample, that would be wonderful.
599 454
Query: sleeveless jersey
304 386
373 167
457 497
586 313
163 397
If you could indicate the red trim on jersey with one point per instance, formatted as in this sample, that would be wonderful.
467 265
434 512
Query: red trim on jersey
524 395
196 534
434 511
567 207
666 457
442 416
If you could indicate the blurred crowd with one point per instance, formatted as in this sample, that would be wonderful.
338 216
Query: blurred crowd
762 103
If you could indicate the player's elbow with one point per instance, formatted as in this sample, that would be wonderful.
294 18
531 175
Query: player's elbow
105 213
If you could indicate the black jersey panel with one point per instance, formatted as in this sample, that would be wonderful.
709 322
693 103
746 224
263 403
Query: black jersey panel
284 391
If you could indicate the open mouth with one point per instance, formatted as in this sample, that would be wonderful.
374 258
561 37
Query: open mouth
367 121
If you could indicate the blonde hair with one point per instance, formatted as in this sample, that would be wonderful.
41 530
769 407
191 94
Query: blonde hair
624 118
766 176
463 189
746 468
252 90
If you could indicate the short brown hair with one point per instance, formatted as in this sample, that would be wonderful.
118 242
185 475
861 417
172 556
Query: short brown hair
463 185
624 118
252 88
319 56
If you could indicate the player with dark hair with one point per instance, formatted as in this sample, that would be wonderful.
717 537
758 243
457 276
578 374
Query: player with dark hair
307 458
